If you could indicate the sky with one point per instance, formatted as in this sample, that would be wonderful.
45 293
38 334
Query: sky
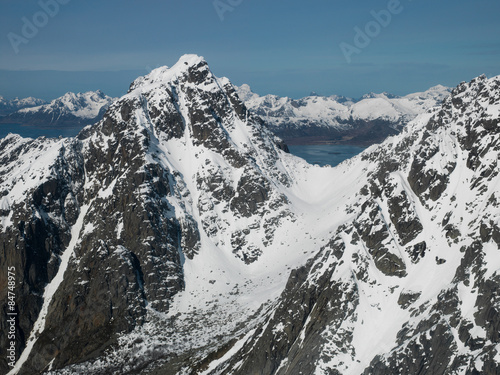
288 48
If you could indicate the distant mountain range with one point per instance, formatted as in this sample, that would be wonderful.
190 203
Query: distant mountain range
339 119
70 110
10 106
311 120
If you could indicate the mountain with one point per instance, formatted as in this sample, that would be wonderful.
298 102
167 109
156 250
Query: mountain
338 119
101 228
177 236
70 110
409 282
10 106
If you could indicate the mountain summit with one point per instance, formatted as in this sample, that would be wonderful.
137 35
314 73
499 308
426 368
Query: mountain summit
177 235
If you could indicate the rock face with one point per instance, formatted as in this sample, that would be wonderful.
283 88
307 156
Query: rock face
341 120
176 236
71 110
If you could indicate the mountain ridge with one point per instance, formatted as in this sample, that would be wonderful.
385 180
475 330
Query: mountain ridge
337 119
70 110
9 106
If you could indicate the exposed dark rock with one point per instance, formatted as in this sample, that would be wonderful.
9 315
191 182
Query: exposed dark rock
375 234
251 192
418 251
408 298
404 218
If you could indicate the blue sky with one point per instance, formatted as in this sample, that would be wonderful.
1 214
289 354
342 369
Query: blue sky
288 48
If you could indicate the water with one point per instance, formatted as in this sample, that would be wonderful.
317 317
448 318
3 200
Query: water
35 132
325 154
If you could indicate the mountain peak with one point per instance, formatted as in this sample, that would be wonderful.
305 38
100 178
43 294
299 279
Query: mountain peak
190 60
86 94
439 88
10 106
337 117
384 95
245 92
164 74
184 63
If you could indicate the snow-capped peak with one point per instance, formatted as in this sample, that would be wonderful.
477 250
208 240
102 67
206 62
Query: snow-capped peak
383 95
245 93
10 106
439 88
165 74
87 105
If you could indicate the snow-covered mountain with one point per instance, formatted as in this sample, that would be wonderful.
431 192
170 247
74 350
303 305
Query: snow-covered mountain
10 106
70 110
178 236
338 119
